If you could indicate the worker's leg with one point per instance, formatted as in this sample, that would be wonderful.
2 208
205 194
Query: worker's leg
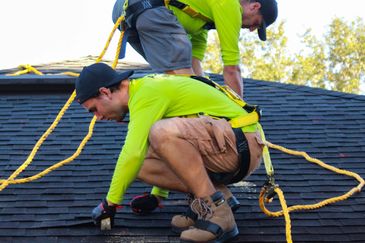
156 172
173 163
181 156
188 146
135 42
164 41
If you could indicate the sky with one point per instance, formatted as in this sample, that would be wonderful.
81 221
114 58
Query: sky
40 31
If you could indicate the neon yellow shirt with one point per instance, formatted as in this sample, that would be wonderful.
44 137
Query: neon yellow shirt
153 98
227 17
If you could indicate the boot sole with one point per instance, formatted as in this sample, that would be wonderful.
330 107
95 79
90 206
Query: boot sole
178 230
225 237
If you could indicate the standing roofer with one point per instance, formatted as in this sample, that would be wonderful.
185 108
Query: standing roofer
172 35
179 138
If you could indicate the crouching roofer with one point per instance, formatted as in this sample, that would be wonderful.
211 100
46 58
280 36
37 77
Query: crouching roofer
179 138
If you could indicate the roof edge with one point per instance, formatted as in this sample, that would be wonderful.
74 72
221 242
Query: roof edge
307 89
37 83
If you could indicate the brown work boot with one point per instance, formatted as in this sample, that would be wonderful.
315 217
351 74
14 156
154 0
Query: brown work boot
182 222
215 221
231 200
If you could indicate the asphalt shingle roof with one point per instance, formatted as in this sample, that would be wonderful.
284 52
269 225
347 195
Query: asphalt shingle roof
56 208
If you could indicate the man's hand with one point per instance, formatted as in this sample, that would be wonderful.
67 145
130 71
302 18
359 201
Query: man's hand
103 215
232 78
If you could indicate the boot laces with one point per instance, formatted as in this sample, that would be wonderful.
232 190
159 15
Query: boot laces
201 208
189 198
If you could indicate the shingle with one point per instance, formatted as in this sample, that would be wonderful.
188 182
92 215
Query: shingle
328 125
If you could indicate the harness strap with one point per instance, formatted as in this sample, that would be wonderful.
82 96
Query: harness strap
133 11
243 159
253 116
209 226
188 10
244 120
266 155
244 155
253 112
191 214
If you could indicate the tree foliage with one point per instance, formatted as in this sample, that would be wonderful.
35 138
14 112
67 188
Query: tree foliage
346 55
335 61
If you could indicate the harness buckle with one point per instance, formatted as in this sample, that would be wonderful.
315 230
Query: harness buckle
269 188
253 108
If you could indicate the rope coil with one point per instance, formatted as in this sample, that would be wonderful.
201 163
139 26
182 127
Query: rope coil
285 209
28 68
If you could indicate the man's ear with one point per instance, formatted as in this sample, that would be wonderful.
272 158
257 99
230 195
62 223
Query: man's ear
104 91
255 6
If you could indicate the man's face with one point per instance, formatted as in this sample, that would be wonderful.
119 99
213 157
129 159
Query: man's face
252 17
252 23
108 106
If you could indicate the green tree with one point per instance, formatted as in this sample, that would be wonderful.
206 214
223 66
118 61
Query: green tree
212 60
335 61
309 67
346 55
268 60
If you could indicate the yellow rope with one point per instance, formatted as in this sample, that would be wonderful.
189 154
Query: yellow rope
5 183
11 179
60 163
70 74
115 27
115 63
26 69
285 210
286 215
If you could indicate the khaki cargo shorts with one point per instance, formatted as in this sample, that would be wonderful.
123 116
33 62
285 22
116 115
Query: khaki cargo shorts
214 139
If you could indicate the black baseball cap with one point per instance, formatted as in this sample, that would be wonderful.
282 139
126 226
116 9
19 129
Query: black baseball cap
95 76
269 11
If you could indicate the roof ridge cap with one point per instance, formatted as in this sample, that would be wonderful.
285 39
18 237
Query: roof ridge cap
314 90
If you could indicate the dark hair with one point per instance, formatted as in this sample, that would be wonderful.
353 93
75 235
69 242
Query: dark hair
112 89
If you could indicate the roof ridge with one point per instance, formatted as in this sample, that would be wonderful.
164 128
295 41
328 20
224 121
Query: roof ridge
307 89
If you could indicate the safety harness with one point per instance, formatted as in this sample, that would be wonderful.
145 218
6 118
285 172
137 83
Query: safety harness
253 111
252 116
130 13
133 11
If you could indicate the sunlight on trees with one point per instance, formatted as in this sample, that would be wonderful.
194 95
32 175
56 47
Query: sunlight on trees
336 61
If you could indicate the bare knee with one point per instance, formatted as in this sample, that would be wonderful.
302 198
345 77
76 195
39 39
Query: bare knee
162 133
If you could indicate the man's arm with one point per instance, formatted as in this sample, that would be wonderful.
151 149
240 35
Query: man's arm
199 45
146 107
232 78
197 67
